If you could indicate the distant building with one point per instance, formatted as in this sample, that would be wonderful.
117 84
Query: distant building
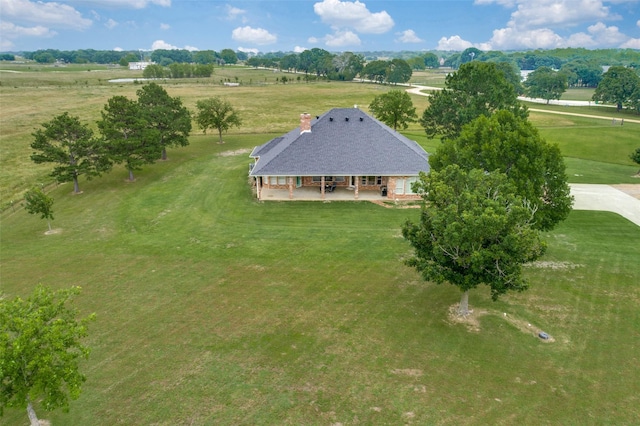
138 65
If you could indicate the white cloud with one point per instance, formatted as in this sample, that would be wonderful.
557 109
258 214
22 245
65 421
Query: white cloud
532 24
557 13
131 4
299 49
11 31
251 35
638 23
409 36
6 45
50 14
342 38
118 49
313 40
354 15
632 43
553 13
161 44
453 43
510 38
111 24
164 27
250 50
234 13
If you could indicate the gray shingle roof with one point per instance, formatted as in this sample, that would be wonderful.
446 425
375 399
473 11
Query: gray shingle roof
342 142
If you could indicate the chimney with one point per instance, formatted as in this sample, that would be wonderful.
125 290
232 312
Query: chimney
305 123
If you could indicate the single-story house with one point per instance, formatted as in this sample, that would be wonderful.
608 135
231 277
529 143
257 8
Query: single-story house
139 65
345 149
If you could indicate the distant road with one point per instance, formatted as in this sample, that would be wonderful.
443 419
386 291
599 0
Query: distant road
418 90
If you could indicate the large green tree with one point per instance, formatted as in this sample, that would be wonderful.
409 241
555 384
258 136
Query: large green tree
228 56
583 72
431 60
166 117
394 108
129 139
476 89
620 86
70 144
346 65
513 146
473 230
217 113
37 202
546 83
40 349
635 156
375 71
398 71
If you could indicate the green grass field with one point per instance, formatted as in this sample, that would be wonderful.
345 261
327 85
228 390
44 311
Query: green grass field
213 308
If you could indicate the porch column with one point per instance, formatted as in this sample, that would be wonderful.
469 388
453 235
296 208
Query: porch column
259 186
322 186
355 191
290 188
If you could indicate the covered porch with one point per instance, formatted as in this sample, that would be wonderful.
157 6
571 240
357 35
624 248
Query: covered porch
341 193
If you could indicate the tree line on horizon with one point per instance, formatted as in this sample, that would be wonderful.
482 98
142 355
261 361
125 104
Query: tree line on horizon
523 60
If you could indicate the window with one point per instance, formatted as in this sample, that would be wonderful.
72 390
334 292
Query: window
371 180
403 185
277 180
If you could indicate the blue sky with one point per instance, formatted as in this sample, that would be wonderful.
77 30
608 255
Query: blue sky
334 25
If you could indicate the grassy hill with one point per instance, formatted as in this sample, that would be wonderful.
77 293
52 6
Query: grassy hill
213 308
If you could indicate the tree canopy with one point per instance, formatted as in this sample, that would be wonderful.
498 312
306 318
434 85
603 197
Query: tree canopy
635 157
37 202
476 89
513 146
394 108
40 349
127 135
166 117
546 83
620 86
398 71
582 73
64 140
217 113
473 230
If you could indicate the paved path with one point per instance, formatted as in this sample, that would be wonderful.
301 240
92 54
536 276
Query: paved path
606 198
626 120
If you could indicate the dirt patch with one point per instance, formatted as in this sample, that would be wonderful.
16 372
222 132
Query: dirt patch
554 265
54 231
398 205
411 372
236 152
472 321
629 188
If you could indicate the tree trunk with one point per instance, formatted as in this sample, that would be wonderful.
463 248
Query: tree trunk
464 304
220 133
49 224
32 415
131 178
164 154
76 187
